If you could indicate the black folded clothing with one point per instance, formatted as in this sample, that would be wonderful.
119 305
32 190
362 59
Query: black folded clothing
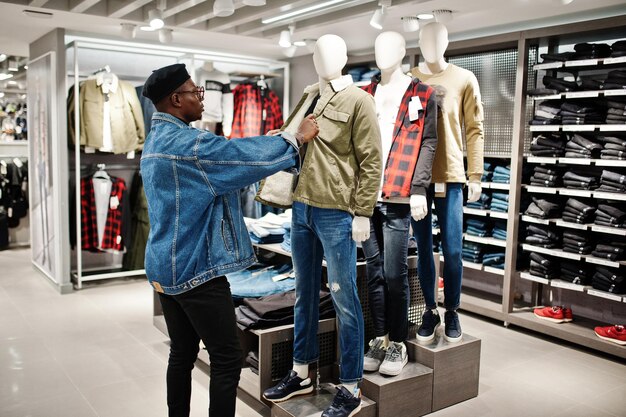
612 139
615 103
608 280
584 142
545 177
619 46
550 140
613 177
560 57
542 231
580 250
579 206
583 120
559 84
576 180
611 211
612 180
542 91
614 147
543 260
575 235
592 50
545 170
617 112
612 154
617 76
576 273
615 118
582 108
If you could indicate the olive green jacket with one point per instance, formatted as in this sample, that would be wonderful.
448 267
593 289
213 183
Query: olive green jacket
343 165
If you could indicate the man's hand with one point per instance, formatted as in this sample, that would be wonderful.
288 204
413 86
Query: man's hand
360 228
273 132
473 192
307 130
419 207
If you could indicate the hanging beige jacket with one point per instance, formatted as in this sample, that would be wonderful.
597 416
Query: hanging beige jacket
126 117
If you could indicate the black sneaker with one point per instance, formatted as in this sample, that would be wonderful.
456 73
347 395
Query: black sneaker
453 332
430 323
344 404
290 386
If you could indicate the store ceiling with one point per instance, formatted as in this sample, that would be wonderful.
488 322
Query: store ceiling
194 23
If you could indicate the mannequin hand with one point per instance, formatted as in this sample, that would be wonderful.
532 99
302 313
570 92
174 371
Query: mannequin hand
473 192
360 228
273 132
307 130
419 207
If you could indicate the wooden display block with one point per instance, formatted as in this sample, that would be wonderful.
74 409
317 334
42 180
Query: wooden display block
455 368
409 394
314 404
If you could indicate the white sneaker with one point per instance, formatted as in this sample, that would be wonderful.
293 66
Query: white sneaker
395 359
374 356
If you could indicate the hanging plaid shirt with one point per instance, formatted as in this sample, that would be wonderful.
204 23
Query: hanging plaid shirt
408 168
256 111
112 239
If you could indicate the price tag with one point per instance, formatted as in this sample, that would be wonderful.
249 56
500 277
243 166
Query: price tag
3 168
18 163
580 94
415 106
115 203
615 92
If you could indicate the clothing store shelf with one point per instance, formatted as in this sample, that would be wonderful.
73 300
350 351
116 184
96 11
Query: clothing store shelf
541 160
109 275
573 192
573 256
483 303
14 149
493 270
484 213
571 225
473 265
529 277
485 240
609 196
589 226
531 219
575 161
546 97
495 185
610 230
606 295
603 195
544 128
613 128
604 262
580 94
541 190
593 62
555 283
579 331
578 128
273 247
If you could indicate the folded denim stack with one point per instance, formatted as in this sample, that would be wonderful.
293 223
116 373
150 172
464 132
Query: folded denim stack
580 181
592 50
261 280
612 182
548 144
619 49
473 252
543 208
545 177
541 236
543 266
478 227
575 241
576 273
286 243
614 146
494 259
499 230
547 113
579 146
582 113
487 172
269 228
609 280
500 202
483 203
560 84
613 251
615 80
578 212
502 174
610 216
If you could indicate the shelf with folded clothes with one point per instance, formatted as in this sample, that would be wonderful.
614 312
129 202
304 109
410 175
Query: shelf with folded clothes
579 128
588 226
495 185
478 266
579 94
485 240
574 161
560 253
555 282
573 192
485 213
580 63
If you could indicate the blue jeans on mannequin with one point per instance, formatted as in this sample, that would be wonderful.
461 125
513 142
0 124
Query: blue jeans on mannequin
387 270
315 232
450 215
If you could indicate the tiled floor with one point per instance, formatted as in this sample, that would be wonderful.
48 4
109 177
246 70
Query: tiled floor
95 353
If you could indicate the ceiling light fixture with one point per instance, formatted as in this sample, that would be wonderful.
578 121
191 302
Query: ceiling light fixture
300 43
285 37
425 16
290 52
129 30
13 65
37 14
410 23
166 36
254 3
25 66
155 17
442 15
300 12
223 8
147 28
378 18
3 57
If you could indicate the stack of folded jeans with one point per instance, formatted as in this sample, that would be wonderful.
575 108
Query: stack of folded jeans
500 202
619 49
616 80
478 227
494 259
578 212
541 236
614 146
612 182
579 146
559 84
502 174
435 221
487 172
286 243
473 252
579 181
575 241
269 228
543 266
547 113
592 50
545 177
609 280
548 144
582 113
610 216
558 57
576 273
499 230
483 203
542 208
614 251
261 280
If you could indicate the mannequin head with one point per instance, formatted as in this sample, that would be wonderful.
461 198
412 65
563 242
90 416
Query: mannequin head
433 41
330 56
208 66
390 48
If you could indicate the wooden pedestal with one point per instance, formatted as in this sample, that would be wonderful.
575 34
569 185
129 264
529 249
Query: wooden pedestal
314 404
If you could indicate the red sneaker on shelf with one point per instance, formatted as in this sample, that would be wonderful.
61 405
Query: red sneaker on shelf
567 315
615 334
554 314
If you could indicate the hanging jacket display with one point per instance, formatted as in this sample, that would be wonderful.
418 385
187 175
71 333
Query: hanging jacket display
111 117
14 190
140 226
257 110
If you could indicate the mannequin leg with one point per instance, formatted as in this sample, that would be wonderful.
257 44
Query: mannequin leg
423 232
376 286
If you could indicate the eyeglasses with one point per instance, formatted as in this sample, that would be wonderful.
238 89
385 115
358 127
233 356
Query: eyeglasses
199 92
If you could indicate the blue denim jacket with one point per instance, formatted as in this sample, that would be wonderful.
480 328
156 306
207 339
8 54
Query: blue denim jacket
192 180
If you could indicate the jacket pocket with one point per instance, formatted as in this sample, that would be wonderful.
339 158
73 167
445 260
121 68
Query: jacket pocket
227 235
335 129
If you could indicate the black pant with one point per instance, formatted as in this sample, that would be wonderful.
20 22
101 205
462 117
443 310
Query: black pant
205 312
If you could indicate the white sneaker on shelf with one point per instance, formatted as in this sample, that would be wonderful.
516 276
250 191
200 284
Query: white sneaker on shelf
395 359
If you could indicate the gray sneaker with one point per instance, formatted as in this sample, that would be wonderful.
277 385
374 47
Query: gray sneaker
374 356
395 359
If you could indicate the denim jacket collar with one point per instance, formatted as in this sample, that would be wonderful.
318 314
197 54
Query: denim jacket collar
166 117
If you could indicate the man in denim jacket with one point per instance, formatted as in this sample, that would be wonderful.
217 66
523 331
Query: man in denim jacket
197 234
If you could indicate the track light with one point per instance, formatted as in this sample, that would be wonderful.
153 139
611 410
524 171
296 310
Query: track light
254 2
290 52
223 8
378 18
165 36
410 23
425 16
442 15
155 17
285 38
129 30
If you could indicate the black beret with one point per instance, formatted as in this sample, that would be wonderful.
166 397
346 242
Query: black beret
164 81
